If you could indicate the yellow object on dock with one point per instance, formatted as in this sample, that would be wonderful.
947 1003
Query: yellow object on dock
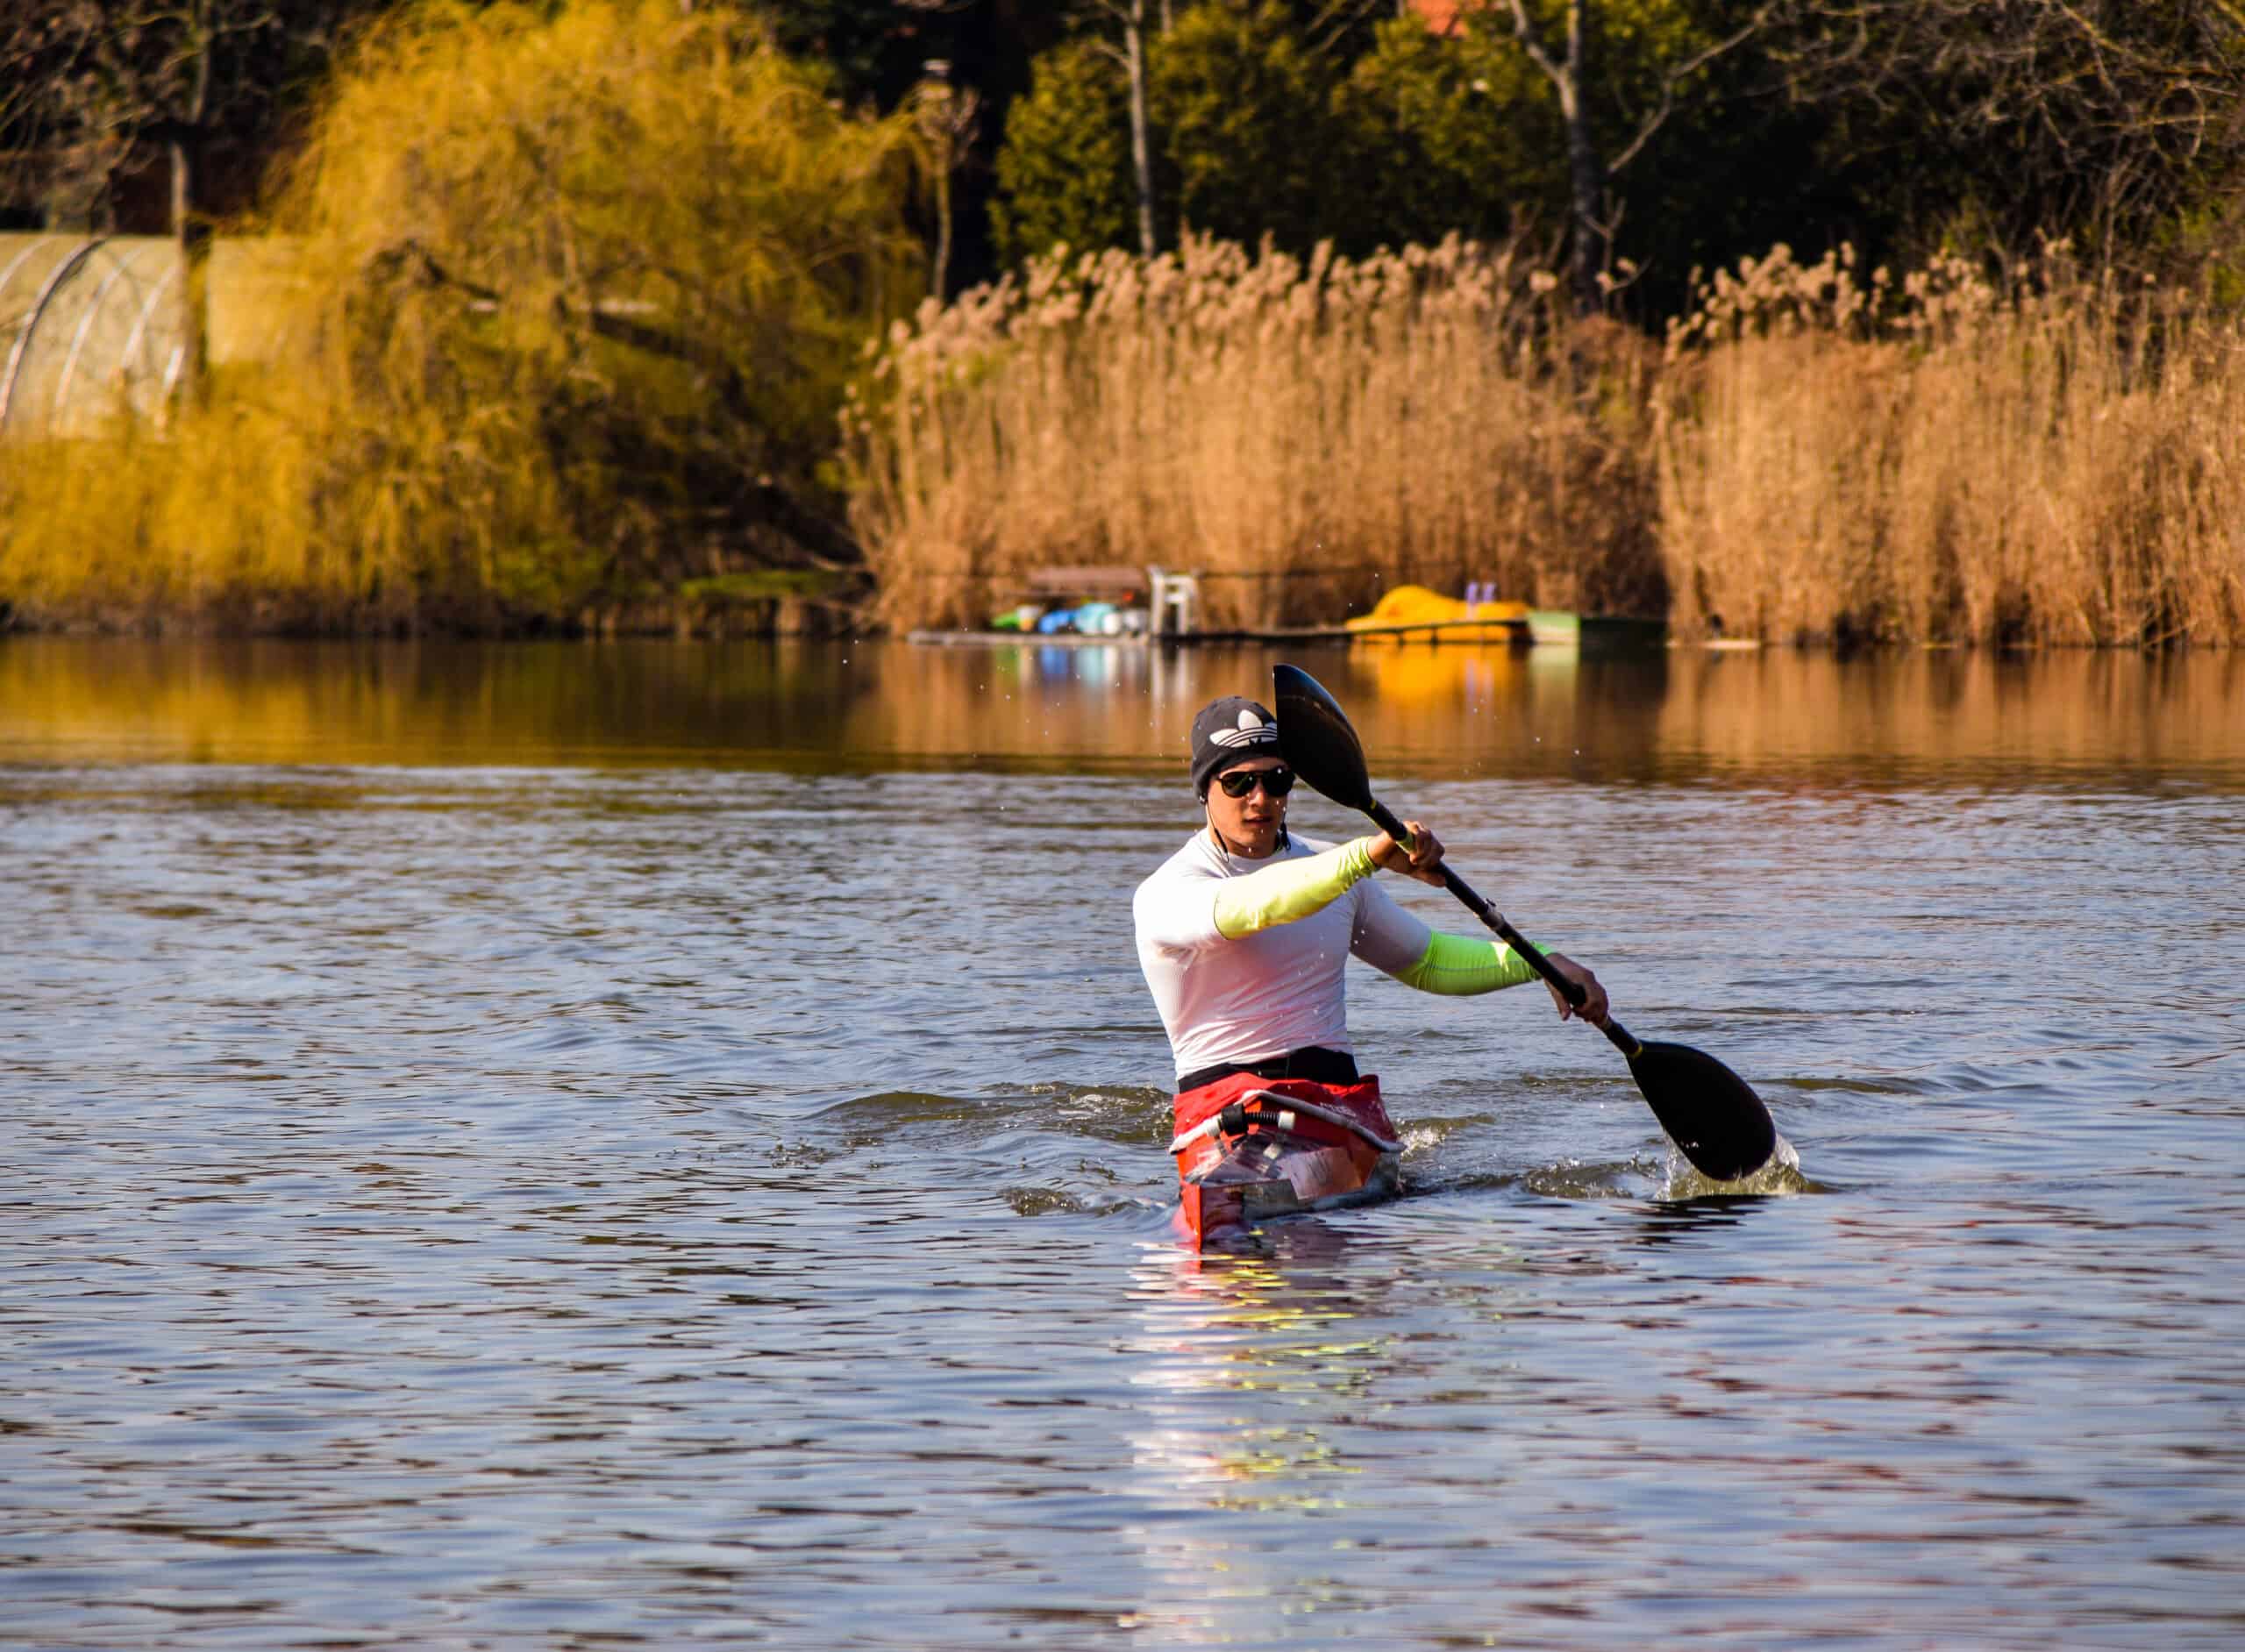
1413 610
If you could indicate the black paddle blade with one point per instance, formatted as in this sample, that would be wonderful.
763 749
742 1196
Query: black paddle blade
1709 1111
1315 735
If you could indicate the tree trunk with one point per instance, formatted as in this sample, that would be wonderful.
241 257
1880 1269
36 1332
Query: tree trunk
194 237
1142 160
946 115
940 285
1586 173
188 226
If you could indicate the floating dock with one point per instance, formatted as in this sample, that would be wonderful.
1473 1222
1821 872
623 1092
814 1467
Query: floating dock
1541 628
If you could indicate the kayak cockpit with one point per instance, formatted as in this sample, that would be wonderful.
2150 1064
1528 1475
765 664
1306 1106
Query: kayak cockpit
1280 1148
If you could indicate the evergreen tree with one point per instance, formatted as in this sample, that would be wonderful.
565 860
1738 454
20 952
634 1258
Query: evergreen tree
1445 134
1244 110
1064 169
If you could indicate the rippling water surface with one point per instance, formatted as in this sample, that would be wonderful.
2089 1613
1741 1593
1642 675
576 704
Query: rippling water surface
570 1147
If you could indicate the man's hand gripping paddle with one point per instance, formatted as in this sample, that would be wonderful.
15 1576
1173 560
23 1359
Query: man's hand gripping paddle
1709 1111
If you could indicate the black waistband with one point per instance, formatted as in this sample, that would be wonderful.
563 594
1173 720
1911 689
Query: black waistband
1314 1063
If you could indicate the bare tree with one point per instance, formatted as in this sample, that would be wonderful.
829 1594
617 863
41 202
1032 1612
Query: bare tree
91 87
95 84
1329 25
1131 22
947 117
2104 114
1571 67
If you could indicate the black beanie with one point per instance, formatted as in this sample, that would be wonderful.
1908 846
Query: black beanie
1226 732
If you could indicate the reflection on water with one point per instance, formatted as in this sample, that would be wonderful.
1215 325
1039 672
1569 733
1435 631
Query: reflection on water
2074 719
551 1146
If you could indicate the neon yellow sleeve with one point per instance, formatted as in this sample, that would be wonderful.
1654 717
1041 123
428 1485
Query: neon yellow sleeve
1459 965
1291 890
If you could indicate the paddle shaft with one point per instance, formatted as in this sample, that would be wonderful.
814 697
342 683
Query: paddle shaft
1472 902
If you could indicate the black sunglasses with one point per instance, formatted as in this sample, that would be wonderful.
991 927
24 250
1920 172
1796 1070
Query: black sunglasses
1240 782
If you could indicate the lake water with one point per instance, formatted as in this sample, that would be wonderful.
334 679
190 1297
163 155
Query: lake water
570 1146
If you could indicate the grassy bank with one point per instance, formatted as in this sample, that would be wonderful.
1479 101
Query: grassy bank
1817 453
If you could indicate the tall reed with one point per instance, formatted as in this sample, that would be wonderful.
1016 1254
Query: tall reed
1820 452
2044 459
1300 433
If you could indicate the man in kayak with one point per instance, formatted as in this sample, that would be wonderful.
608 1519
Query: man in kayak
1244 935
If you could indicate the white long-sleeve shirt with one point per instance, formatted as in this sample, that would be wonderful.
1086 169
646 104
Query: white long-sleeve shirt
1278 988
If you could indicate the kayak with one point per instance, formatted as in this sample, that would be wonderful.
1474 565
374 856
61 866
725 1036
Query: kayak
1249 1149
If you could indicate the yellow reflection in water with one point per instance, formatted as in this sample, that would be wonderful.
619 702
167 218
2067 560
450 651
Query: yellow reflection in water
2077 710
1427 675
1219 1323
1421 711
1253 1367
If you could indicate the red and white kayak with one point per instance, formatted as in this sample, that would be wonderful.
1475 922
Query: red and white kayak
1249 1149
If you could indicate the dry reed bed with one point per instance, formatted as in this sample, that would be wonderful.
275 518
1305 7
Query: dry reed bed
1818 452
1949 459
1298 432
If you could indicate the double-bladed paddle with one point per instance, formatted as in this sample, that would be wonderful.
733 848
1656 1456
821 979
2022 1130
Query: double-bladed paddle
1709 1111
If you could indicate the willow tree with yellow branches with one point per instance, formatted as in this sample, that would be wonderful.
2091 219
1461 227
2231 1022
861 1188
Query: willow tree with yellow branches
572 299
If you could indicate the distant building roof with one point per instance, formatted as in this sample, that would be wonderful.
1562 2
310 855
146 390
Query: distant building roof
1441 16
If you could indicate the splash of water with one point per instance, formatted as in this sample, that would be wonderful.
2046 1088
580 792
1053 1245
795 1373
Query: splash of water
1779 1173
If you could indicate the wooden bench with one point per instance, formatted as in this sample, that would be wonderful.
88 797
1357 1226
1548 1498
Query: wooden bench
1119 586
